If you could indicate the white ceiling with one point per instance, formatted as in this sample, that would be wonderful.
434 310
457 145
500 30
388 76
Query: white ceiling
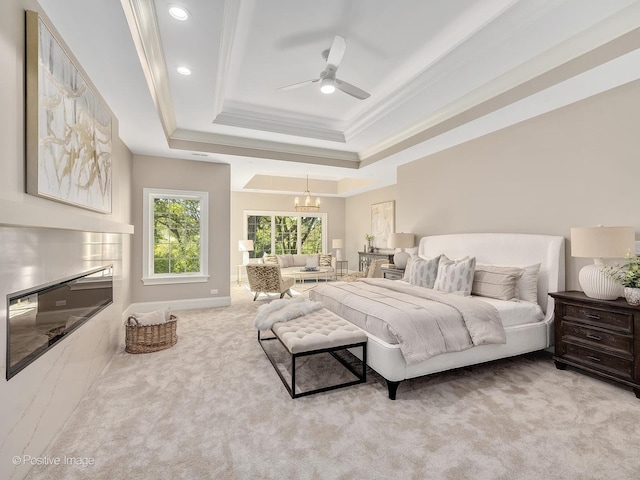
439 73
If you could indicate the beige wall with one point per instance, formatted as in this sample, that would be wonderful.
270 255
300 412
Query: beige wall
169 173
334 207
38 400
358 214
577 166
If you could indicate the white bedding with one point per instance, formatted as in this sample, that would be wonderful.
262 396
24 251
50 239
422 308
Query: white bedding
515 313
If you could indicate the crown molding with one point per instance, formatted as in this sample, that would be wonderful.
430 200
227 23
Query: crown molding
143 24
248 147
270 123
617 36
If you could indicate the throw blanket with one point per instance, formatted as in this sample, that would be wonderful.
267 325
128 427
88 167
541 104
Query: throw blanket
424 322
283 311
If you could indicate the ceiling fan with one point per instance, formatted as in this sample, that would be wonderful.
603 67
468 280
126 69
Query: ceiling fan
328 81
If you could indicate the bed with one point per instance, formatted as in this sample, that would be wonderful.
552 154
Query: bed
525 329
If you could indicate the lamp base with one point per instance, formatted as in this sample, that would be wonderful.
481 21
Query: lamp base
596 284
339 254
400 260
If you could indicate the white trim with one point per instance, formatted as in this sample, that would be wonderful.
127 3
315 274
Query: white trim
176 305
149 278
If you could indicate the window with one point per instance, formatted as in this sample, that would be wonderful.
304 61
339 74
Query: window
175 236
283 233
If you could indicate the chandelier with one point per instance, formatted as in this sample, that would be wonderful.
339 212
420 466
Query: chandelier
309 204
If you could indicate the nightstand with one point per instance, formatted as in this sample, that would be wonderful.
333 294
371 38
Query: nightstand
598 336
392 273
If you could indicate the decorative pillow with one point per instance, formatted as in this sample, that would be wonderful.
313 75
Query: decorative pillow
527 285
312 261
285 260
423 271
455 276
495 281
324 260
269 259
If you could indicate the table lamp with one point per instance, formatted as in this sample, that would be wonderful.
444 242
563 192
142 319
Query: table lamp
338 244
401 241
245 246
601 243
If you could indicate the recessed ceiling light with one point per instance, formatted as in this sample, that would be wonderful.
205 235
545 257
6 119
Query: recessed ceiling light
178 13
183 70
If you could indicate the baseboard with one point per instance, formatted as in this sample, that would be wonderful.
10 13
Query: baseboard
174 305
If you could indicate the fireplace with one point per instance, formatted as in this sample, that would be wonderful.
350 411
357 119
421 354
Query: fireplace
39 317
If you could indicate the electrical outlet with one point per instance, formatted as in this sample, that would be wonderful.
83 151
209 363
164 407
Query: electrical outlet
214 291
61 303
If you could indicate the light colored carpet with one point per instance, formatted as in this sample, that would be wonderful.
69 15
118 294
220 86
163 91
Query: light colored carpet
213 407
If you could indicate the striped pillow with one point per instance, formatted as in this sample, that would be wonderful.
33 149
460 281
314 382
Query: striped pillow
325 260
270 259
455 276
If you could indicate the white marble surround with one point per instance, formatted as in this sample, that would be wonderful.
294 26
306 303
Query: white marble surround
38 400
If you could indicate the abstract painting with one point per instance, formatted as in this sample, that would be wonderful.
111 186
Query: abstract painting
382 223
68 127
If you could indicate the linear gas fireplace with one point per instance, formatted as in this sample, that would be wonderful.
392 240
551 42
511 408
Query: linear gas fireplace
41 316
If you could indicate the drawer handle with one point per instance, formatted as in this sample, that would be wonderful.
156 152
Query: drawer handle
593 316
595 359
594 337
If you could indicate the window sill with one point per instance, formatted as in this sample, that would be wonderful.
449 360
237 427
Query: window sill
172 279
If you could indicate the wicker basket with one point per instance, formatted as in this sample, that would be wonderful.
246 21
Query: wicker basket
150 338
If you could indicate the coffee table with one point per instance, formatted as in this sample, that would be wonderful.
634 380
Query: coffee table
301 275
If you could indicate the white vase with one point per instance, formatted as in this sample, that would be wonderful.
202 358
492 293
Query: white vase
632 295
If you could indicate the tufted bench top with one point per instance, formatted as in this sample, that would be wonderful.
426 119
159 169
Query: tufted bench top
316 331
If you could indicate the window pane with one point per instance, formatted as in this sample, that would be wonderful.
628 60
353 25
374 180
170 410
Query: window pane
311 235
176 235
259 230
286 235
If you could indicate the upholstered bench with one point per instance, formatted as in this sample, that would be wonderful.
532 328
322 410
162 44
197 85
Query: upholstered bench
318 332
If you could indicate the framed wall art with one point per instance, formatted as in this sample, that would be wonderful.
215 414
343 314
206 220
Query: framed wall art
68 126
382 222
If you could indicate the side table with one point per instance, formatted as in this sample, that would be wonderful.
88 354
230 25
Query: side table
342 268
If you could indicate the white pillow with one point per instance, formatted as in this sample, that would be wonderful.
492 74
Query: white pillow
423 271
495 281
455 276
153 318
527 285
312 260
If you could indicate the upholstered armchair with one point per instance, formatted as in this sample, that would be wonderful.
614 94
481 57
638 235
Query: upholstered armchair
266 278
374 270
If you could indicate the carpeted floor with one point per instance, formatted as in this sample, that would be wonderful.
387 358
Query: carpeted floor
213 407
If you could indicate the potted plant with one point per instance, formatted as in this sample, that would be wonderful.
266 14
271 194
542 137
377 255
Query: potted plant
369 238
629 276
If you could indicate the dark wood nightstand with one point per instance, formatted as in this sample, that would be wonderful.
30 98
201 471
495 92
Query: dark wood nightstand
392 273
598 336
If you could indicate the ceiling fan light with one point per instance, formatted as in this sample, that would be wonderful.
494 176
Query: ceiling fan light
327 86
183 71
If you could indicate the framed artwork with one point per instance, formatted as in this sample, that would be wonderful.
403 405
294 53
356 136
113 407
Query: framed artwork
68 127
382 222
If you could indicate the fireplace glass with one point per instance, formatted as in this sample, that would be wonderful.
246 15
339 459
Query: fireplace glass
41 316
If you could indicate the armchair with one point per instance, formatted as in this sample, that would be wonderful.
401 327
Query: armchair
266 278
374 270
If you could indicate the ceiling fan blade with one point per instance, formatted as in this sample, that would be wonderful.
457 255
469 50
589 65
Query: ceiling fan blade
299 84
336 52
351 89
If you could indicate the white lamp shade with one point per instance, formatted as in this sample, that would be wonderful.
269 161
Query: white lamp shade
401 240
337 243
602 242
245 245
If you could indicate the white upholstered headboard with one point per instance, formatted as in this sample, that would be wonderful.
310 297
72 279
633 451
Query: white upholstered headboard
516 249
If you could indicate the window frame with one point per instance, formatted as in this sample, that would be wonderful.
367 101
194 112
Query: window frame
149 277
273 214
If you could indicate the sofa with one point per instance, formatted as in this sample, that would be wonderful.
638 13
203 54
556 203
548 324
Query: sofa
291 264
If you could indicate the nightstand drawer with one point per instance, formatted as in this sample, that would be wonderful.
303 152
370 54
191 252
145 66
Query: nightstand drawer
597 337
615 320
392 273
598 360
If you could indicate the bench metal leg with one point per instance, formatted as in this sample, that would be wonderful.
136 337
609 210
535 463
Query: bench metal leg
361 377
